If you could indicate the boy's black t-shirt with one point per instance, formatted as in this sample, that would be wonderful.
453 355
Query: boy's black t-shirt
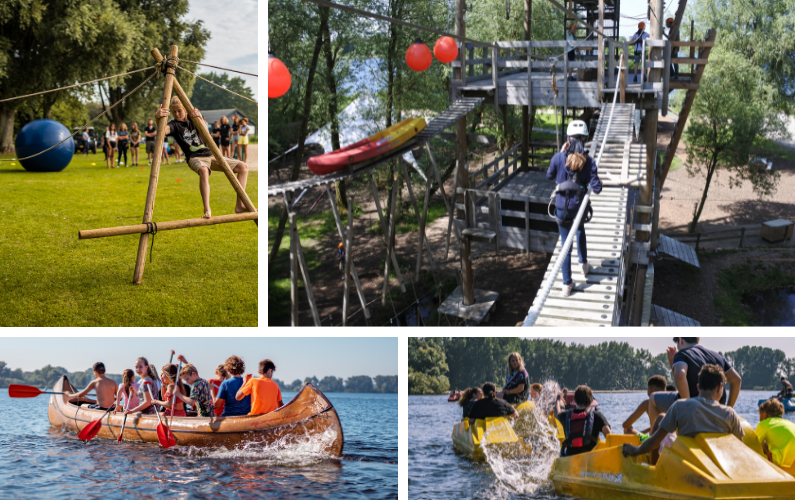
188 137
224 129
150 130
695 357
487 408
515 380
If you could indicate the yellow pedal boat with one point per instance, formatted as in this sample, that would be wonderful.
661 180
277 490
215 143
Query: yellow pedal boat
709 466
499 431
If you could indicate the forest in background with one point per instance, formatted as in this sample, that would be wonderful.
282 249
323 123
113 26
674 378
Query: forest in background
438 364
47 376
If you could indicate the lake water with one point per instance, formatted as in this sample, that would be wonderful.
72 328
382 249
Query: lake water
774 307
436 472
39 461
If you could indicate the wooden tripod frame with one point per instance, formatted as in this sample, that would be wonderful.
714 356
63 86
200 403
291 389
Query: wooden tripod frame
201 127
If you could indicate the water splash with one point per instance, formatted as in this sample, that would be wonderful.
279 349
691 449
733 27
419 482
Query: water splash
527 475
291 450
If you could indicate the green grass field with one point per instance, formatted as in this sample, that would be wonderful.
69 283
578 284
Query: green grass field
203 276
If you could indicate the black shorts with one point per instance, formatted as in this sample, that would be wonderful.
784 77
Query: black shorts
225 141
570 56
112 145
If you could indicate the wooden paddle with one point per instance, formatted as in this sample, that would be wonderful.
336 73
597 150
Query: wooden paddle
164 434
124 422
28 391
92 429
176 388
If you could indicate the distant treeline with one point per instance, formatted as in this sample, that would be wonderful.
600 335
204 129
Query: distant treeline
440 364
47 376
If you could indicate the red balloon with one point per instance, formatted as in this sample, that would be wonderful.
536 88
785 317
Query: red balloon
279 78
418 57
445 49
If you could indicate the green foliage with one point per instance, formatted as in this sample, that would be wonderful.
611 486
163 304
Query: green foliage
359 383
207 96
427 366
733 117
50 278
331 384
743 280
47 376
381 384
758 366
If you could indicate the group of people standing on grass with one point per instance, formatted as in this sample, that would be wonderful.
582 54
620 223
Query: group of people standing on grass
696 403
229 394
231 138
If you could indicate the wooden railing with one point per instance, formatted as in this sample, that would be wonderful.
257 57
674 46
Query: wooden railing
734 233
498 173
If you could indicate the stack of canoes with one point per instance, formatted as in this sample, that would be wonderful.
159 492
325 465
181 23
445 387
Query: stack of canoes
309 413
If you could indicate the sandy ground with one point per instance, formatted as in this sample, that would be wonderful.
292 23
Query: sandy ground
251 160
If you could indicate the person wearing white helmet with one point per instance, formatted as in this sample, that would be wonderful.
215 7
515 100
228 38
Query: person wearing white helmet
572 169
638 38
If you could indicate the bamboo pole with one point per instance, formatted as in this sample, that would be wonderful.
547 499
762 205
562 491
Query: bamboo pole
293 271
389 248
416 211
422 225
154 174
165 226
347 267
201 127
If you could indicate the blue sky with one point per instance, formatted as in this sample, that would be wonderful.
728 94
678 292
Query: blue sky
634 8
295 357
656 345
234 30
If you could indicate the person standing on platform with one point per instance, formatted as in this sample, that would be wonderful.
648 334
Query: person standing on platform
637 39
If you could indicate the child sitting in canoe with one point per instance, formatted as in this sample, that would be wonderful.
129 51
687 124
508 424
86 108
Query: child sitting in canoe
197 154
226 394
265 393
656 383
215 384
776 434
126 396
168 376
148 386
104 387
200 397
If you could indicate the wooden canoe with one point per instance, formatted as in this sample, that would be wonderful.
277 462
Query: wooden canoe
308 413
367 149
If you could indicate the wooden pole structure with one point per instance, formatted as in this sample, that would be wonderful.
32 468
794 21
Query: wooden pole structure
384 228
450 220
299 252
528 14
601 49
347 267
154 174
333 202
416 211
422 224
293 271
462 174
389 248
165 226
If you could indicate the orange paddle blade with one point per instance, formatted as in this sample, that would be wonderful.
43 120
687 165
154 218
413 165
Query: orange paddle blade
165 436
90 430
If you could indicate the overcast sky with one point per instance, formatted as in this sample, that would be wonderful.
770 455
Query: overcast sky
656 345
635 8
294 357
234 30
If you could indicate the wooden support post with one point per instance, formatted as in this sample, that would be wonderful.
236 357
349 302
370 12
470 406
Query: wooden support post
165 226
624 61
154 174
416 211
698 240
293 271
201 127
438 179
528 15
527 227
471 69
450 220
565 86
384 228
637 297
347 267
389 249
468 285
601 48
495 55
333 203
462 175
307 284
655 221
422 225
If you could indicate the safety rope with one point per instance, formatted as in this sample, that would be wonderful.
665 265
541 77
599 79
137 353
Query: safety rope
77 85
80 130
546 287
216 67
220 87
151 228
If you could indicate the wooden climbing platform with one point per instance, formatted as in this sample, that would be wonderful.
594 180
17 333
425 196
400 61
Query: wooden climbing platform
665 317
678 250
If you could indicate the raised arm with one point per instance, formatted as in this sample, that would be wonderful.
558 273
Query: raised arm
85 391
639 411
163 113
680 380
736 382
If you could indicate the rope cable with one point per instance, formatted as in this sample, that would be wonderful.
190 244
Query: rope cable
220 87
91 121
216 67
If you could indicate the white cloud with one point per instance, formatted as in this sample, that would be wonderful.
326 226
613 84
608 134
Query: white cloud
234 30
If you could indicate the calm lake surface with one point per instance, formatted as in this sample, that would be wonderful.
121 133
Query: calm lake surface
39 461
774 307
436 472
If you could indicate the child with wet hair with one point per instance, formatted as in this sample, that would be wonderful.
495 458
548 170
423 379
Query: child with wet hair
226 393
468 399
171 384
126 396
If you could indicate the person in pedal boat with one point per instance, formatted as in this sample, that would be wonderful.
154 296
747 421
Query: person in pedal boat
572 169
692 416
265 393
776 435
104 387
147 387
468 400
582 425
517 386
535 391
197 154
126 396
168 376
686 361
657 383
490 406
229 387
786 389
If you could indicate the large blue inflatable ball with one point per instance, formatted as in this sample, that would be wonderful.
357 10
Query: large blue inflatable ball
39 135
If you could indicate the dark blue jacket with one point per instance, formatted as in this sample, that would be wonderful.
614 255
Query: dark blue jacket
559 172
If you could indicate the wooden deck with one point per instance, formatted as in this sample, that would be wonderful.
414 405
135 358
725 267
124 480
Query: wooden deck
678 250
665 317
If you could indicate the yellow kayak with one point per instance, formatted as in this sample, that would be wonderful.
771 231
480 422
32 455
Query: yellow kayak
709 466
507 435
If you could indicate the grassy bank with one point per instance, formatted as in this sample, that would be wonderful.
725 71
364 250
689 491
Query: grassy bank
204 276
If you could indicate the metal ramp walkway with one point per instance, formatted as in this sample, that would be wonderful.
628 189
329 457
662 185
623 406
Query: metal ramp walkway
678 250
596 299
448 117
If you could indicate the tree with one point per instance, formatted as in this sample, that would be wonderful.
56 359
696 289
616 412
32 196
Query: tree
331 384
733 117
311 380
759 366
386 384
296 385
359 383
208 96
